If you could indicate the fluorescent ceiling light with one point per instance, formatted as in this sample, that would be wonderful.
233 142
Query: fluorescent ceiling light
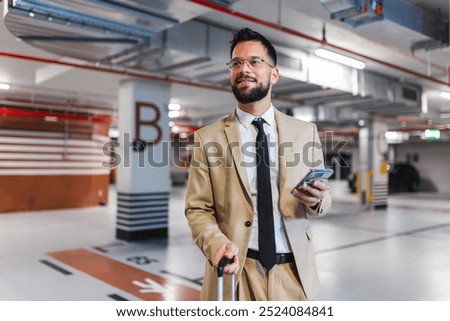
396 137
174 113
51 118
445 95
174 106
330 55
113 132
4 86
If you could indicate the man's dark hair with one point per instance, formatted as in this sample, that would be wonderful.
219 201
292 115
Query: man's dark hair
247 34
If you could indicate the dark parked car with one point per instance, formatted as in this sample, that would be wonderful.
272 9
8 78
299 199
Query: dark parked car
403 177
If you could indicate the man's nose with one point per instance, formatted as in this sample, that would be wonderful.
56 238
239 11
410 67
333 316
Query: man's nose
246 66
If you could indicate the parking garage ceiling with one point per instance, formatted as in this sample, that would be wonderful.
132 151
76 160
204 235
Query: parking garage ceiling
186 43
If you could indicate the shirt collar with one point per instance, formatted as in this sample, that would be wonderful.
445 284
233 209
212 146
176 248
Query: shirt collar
246 119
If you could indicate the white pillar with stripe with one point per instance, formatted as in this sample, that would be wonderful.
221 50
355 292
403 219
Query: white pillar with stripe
143 180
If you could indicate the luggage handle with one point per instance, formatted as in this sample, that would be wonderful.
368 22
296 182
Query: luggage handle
223 262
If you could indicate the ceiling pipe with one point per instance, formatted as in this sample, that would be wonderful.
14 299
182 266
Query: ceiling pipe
43 103
8 111
126 72
441 128
409 124
313 39
134 74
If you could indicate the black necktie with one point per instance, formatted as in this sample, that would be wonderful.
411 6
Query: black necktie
266 234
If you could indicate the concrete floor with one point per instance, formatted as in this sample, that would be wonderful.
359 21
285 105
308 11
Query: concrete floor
401 253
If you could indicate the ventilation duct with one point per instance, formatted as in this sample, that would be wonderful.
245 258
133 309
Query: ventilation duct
393 96
360 12
94 29
375 93
354 12
172 43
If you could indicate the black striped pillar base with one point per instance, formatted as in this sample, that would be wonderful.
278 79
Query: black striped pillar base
142 215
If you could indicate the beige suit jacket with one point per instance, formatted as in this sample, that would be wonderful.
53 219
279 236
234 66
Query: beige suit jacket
218 203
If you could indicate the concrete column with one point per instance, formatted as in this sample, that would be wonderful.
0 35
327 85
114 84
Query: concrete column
373 166
364 166
143 179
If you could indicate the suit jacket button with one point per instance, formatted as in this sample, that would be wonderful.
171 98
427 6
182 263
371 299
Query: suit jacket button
248 224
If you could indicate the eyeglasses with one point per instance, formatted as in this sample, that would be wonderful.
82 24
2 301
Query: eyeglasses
253 62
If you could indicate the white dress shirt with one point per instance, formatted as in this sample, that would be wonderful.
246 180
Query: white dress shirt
248 138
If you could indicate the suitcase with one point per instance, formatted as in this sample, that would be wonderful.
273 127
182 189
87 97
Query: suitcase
220 291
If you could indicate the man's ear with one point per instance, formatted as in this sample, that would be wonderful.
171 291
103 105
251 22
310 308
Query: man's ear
274 76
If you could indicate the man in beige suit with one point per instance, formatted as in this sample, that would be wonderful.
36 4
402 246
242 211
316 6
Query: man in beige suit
222 201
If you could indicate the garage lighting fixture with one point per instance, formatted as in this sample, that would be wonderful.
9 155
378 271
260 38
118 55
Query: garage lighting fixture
330 55
174 106
51 118
113 132
394 137
4 86
445 95
174 113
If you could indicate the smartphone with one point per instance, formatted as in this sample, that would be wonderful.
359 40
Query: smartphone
320 174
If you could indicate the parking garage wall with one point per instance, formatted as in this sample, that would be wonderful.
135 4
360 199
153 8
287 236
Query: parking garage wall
432 159
51 160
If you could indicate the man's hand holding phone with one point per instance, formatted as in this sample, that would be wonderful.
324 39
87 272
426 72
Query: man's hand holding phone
311 194
312 188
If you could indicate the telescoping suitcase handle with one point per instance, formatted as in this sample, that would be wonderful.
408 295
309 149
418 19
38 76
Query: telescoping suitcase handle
224 261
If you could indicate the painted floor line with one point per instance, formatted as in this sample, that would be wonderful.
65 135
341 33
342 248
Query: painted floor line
141 284
117 297
56 267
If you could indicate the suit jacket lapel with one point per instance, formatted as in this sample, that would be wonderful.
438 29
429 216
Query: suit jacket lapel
285 146
233 135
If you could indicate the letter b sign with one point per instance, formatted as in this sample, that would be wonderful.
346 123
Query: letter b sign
147 123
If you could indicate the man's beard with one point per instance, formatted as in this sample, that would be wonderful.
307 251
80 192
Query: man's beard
255 94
